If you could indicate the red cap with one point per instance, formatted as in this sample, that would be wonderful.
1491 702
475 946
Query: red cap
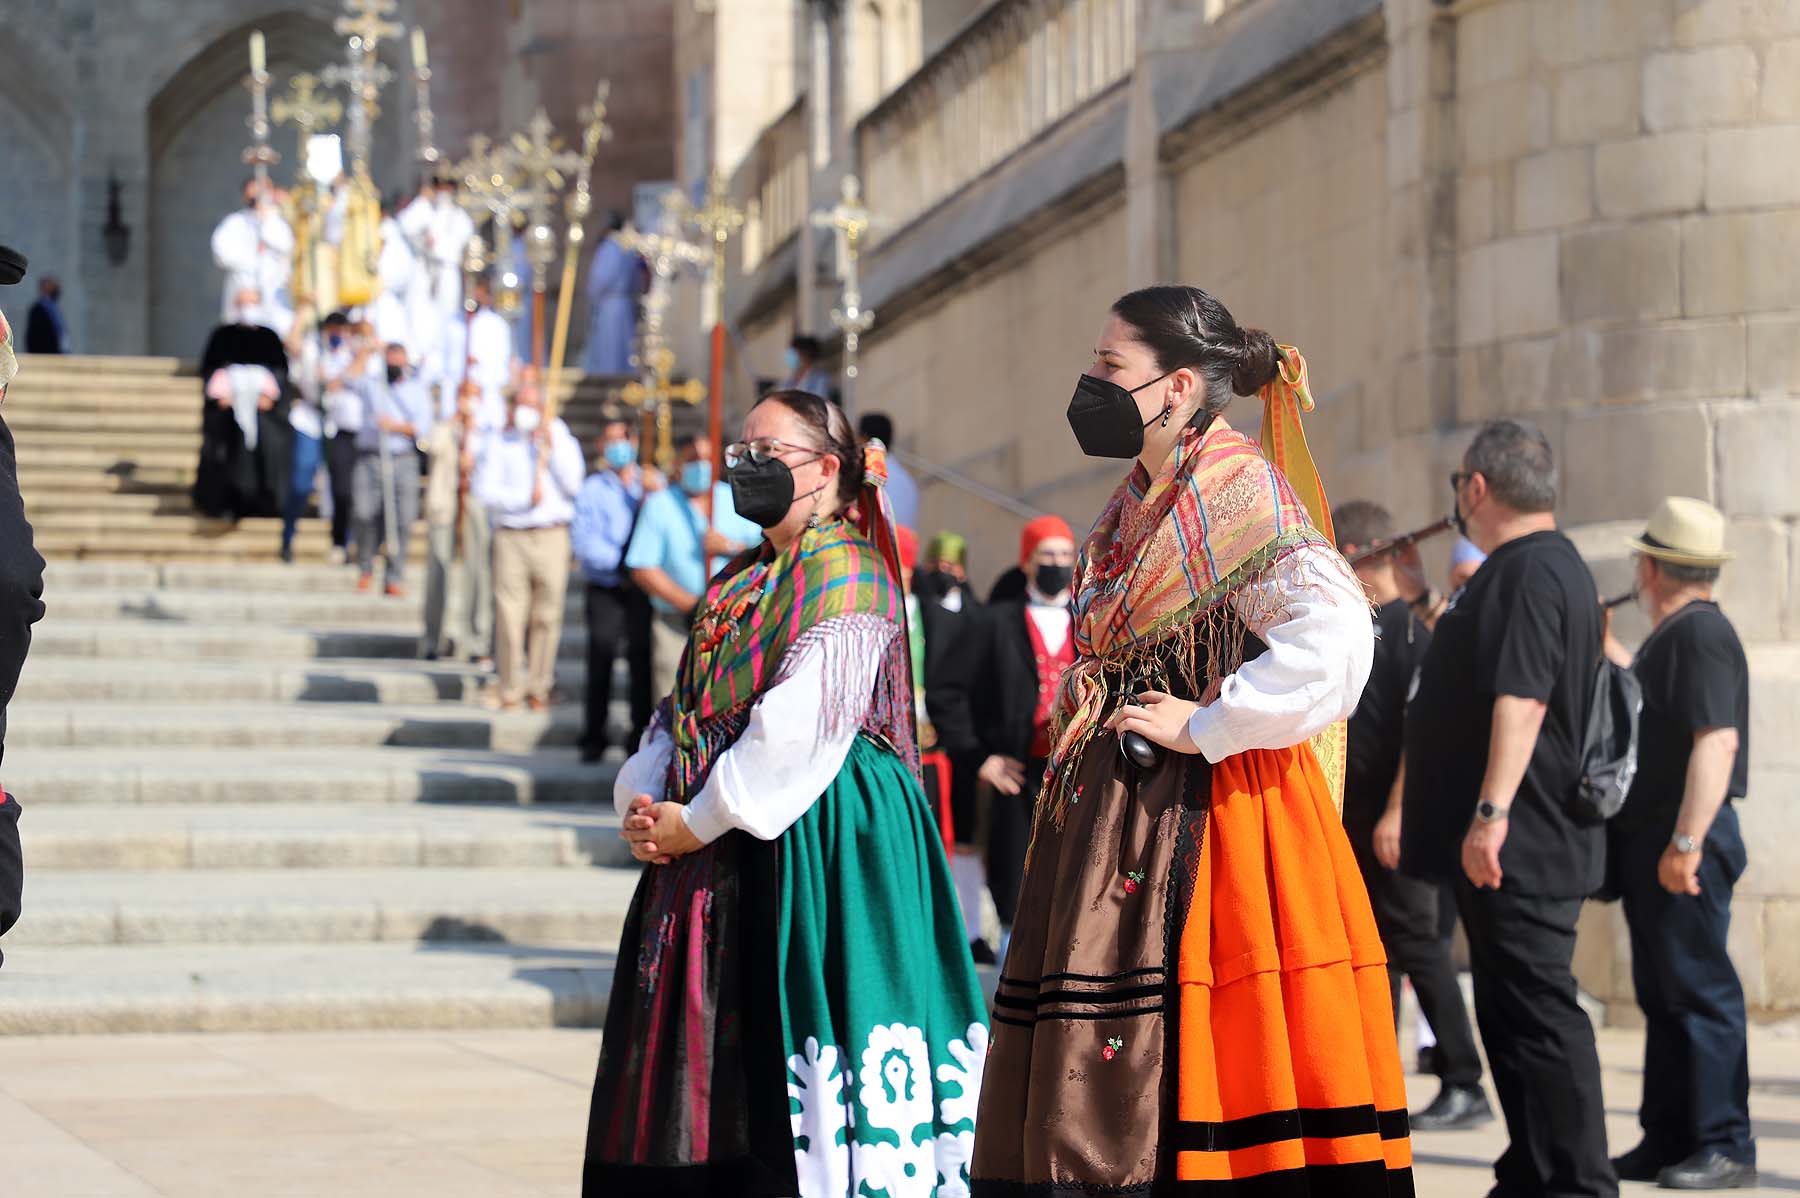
908 542
1040 530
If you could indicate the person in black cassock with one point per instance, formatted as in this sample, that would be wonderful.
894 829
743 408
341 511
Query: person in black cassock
21 605
246 444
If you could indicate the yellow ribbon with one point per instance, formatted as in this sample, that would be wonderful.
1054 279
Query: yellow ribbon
1284 444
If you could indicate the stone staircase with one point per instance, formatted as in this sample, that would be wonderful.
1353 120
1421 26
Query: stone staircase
107 448
247 806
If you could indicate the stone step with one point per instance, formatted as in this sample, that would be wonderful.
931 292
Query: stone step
322 836
240 577
162 776
302 987
67 679
86 456
349 608
46 500
336 906
288 725
106 365
220 543
165 435
31 422
144 639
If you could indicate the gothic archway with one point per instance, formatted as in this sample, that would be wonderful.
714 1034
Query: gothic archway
197 131
38 212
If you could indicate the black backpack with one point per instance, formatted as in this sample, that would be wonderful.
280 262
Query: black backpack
1609 749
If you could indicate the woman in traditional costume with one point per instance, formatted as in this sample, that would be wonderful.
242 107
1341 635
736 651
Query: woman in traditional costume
794 1009
1195 998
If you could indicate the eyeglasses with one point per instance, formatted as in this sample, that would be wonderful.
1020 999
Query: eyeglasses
763 449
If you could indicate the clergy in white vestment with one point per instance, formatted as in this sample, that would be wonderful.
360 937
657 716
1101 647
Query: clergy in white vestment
488 361
615 280
254 246
437 231
396 267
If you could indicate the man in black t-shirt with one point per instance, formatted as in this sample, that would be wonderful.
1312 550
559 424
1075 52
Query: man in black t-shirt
1675 854
1406 908
1493 756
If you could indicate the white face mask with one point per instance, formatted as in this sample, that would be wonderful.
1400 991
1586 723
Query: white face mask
526 419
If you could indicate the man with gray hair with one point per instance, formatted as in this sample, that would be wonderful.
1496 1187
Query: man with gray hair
1493 736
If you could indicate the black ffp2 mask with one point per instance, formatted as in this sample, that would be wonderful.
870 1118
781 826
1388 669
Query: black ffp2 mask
1052 581
1105 418
762 491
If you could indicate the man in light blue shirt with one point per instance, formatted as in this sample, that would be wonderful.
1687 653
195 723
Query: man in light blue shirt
527 479
685 534
397 413
606 511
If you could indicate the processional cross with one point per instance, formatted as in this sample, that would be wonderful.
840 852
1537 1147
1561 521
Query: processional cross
663 394
305 109
850 221
363 75
666 251
594 131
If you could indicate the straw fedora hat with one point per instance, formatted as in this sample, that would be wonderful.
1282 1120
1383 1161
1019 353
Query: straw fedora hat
1687 532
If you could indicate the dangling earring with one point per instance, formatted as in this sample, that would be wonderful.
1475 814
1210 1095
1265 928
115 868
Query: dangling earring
1167 409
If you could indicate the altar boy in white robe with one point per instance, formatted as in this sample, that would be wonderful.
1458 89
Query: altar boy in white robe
437 231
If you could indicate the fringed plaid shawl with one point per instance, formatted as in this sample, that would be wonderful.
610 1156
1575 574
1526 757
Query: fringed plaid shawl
764 607
1166 555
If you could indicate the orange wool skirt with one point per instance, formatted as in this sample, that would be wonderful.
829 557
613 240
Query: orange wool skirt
1195 999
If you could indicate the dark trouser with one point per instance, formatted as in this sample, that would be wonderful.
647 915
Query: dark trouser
1696 1061
340 465
615 615
1009 835
308 451
1408 913
1540 1045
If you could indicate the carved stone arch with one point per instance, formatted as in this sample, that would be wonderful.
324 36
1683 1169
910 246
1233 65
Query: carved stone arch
37 160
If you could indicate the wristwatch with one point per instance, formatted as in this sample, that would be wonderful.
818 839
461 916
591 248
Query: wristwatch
1684 843
1490 813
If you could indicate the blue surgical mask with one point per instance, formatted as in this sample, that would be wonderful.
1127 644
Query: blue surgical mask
793 360
696 477
620 454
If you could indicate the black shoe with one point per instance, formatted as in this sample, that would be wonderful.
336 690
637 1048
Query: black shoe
1455 1108
983 952
1708 1169
1643 1163
1428 1061
287 554
592 756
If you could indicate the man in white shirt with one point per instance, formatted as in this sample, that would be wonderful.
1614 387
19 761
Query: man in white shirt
396 415
437 231
527 478
992 711
254 246
482 348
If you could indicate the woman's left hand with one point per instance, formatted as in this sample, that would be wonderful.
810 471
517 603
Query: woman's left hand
657 832
1158 718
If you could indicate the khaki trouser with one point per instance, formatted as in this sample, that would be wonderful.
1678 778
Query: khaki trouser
668 640
531 573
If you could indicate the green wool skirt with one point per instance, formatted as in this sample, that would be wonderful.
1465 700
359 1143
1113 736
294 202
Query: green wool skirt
827 968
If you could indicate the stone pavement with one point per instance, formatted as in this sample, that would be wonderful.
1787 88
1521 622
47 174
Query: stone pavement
494 1114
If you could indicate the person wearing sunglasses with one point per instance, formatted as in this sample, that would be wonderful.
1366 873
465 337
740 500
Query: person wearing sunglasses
795 927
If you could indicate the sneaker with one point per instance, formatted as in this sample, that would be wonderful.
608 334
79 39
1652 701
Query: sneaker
364 582
1708 1169
1643 1163
983 952
537 703
394 590
1455 1109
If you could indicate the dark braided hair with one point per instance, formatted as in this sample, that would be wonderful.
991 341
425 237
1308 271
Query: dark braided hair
832 435
1184 326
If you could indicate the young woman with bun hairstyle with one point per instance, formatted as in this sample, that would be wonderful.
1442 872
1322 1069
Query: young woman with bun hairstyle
1195 997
